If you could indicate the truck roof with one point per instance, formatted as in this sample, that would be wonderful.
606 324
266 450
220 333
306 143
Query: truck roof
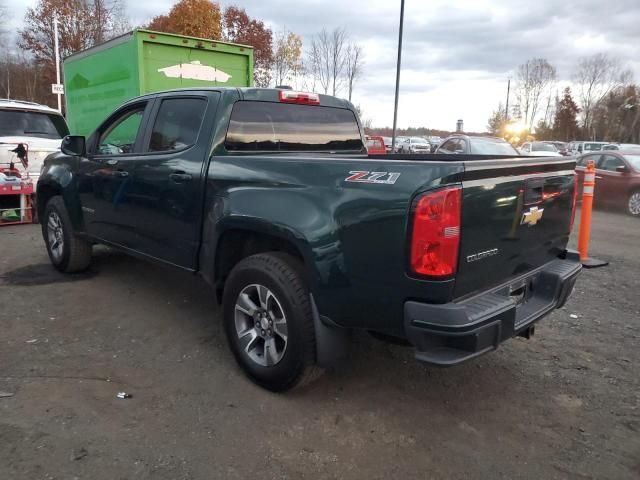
256 94
24 105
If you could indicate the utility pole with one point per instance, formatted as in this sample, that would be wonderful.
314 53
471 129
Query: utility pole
395 107
506 111
57 53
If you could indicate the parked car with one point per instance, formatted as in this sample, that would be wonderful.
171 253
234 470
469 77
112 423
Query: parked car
621 146
434 141
539 149
270 196
465 144
577 148
38 127
399 141
414 145
562 147
387 144
617 179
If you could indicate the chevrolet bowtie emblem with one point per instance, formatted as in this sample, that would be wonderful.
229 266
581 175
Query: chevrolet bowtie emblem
532 217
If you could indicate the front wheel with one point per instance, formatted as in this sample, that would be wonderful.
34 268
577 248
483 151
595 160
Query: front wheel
67 252
633 204
268 321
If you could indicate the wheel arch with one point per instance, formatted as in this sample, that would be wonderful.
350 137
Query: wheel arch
239 238
58 180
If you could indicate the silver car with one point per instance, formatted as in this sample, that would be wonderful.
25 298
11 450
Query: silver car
414 145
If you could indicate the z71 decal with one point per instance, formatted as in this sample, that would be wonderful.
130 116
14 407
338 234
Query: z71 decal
386 178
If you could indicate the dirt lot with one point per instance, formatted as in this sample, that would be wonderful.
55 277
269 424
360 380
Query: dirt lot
564 405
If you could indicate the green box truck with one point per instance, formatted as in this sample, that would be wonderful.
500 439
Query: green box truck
100 78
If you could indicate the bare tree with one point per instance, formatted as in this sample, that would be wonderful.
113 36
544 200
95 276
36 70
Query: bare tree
353 66
20 77
327 58
596 76
338 39
535 79
319 61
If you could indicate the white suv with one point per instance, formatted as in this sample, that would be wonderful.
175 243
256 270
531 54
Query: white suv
39 128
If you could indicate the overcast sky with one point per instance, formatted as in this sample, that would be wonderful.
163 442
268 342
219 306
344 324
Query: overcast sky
457 55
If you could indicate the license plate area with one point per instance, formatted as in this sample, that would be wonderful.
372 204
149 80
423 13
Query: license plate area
518 294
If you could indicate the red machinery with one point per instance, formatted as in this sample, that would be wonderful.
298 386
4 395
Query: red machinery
375 145
16 192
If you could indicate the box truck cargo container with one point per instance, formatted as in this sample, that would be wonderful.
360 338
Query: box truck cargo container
100 78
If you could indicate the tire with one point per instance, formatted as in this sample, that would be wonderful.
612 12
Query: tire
267 309
633 204
67 252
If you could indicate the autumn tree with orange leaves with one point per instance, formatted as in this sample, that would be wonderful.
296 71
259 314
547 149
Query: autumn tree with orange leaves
238 27
195 18
203 18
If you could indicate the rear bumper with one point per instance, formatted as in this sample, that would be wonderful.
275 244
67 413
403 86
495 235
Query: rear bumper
451 333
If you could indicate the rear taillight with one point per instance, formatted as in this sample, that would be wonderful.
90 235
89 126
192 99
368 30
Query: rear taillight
573 205
435 237
289 96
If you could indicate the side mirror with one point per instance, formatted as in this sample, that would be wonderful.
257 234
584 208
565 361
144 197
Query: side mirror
622 169
74 145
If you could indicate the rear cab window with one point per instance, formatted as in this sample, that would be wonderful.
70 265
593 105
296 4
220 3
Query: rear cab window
27 123
281 127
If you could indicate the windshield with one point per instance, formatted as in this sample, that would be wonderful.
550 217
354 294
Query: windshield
419 141
543 147
634 160
480 146
593 147
20 123
267 126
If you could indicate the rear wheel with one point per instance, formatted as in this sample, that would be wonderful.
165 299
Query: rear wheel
268 321
67 252
633 204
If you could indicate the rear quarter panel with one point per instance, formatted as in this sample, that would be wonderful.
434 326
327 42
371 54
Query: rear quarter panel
353 236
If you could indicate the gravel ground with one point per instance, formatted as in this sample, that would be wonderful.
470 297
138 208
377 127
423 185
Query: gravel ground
563 405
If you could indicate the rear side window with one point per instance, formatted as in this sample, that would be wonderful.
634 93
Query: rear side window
21 123
266 126
593 147
449 146
480 146
610 163
177 124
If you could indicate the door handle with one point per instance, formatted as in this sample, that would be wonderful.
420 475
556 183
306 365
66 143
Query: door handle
598 176
180 177
121 173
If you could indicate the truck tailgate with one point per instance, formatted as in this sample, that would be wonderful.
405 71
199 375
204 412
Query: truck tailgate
516 216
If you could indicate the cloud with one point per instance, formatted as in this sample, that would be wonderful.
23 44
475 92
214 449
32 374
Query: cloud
457 56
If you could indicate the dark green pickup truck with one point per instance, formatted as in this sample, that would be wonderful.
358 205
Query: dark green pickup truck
270 196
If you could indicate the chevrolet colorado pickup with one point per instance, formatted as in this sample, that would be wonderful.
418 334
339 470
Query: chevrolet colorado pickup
270 196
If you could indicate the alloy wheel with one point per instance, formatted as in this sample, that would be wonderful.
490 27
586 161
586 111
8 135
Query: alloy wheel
634 204
55 235
261 325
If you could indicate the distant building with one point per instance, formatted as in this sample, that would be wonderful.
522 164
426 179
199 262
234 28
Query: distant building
460 126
